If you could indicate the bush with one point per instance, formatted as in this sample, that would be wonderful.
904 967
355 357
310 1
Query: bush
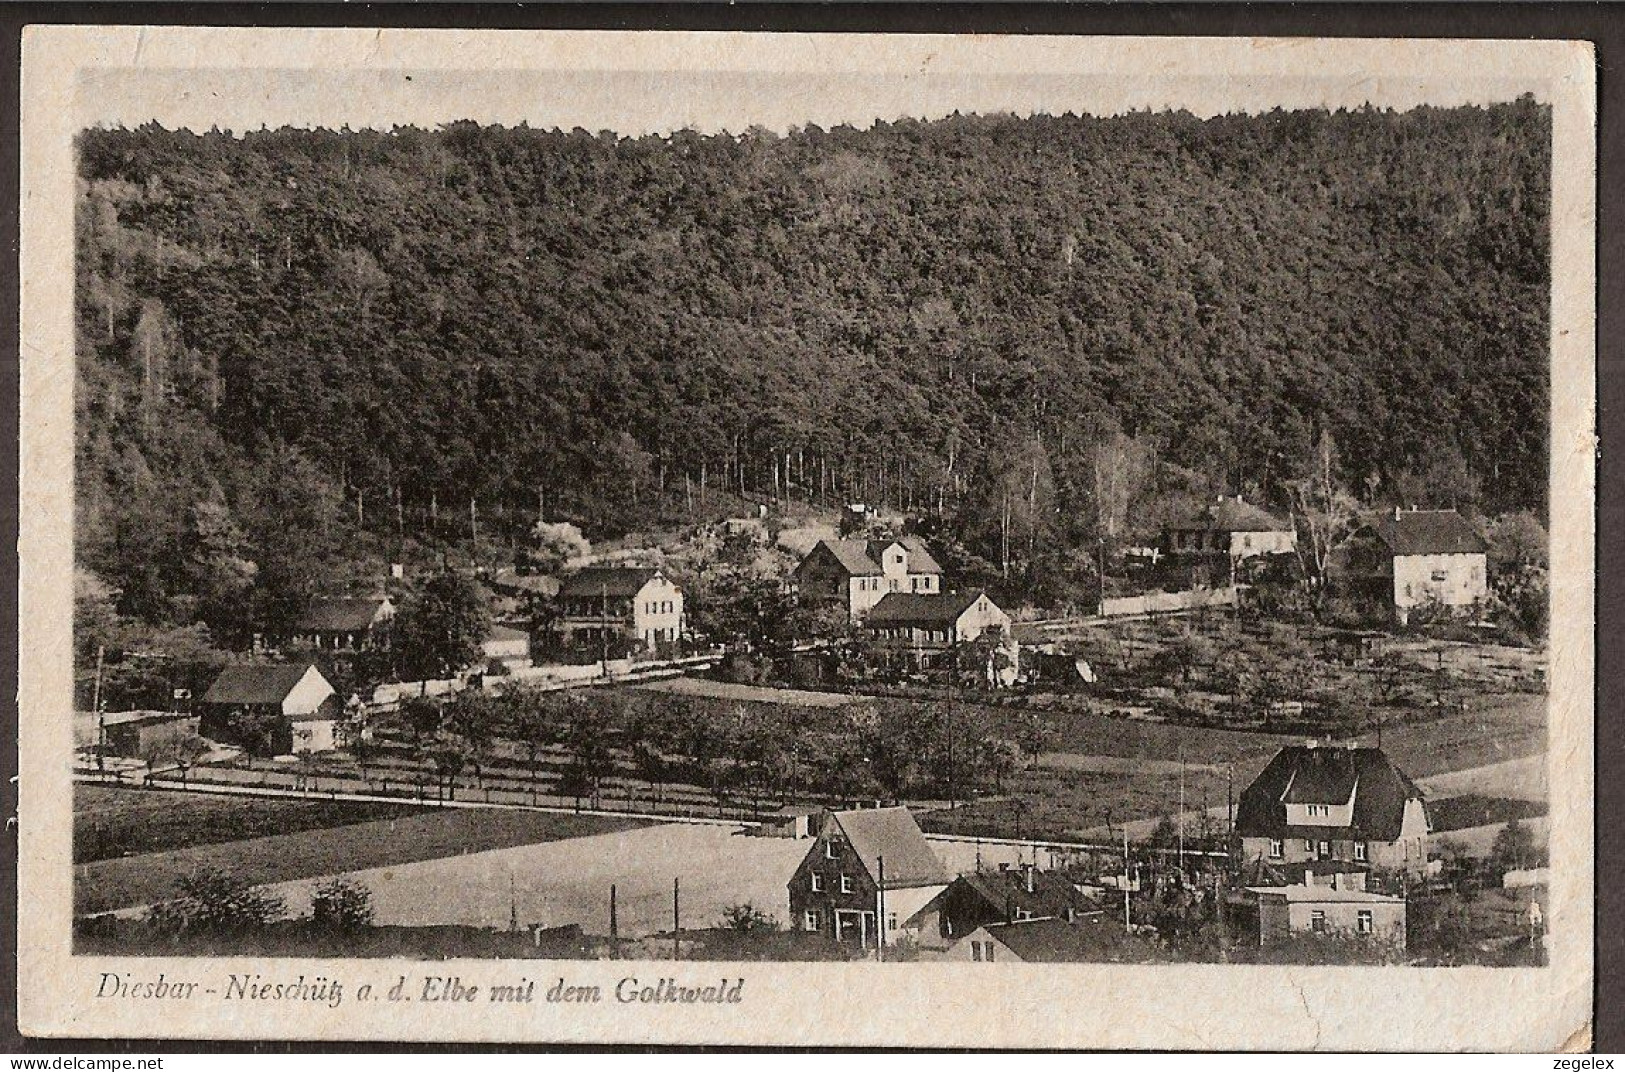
212 900
747 918
342 904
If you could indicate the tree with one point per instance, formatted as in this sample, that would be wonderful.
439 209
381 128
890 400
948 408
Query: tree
746 918
186 750
1514 847
1034 733
553 544
1000 756
1326 513
341 904
441 628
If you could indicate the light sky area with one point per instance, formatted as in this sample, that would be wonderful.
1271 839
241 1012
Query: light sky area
634 102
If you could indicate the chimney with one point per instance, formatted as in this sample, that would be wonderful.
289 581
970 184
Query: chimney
1030 869
1397 513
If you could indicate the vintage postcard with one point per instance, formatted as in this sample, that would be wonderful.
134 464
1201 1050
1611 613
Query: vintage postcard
810 540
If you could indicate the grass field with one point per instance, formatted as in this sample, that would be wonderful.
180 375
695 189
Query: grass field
138 880
111 822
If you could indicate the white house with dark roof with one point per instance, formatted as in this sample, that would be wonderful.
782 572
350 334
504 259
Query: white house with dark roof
345 623
296 704
1421 558
1313 804
867 875
1232 526
858 574
628 604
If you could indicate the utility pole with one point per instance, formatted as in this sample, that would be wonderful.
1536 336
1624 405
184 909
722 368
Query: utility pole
614 927
1181 815
101 716
603 626
676 920
1127 926
880 912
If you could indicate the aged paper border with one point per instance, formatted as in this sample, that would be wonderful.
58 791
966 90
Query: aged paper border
938 1005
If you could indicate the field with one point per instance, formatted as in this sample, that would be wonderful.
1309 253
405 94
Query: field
109 822
131 881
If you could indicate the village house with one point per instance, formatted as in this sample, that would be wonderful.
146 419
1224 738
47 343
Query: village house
1315 803
619 607
1007 895
505 644
345 624
278 709
1233 527
132 733
1420 558
919 630
1039 941
1341 907
858 574
865 867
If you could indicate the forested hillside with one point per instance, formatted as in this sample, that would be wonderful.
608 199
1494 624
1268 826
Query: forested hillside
1042 330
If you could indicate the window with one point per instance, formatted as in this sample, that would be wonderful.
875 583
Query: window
1317 921
1247 542
1308 846
976 951
1362 921
1407 591
817 882
846 883
829 849
1441 575
1359 850
1325 848
891 921
987 952
814 920
1277 850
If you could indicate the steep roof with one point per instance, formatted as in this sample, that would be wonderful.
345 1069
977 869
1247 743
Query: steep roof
915 608
1428 532
1056 941
919 557
893 835
1231 515
620 581
1006 890
342 615
1327 776
852 556
248 684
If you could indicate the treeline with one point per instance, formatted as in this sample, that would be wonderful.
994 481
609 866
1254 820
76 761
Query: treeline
1039 331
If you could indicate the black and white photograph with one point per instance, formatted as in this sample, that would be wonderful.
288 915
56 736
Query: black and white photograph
1001 505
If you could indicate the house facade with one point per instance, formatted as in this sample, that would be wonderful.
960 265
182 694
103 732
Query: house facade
1418 558
1037 941
858 574
277 709
631 606
922 629
505 644
346 624
1313 804
838 891
1336 909
1005 895
1231 526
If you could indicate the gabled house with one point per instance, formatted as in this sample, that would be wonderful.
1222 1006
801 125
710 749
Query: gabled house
1327 803
1420 558
619 606
857 574
275 709
1232 526
345 624
1041 941
1008 895
1340 908
920 629
867 873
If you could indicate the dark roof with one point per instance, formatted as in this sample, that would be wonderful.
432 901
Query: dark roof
852 556
505 632
246 684
1006 890
913 608
1325 776
1231 515
1428 532
620 581
1056 941
344 615
893 835
919 558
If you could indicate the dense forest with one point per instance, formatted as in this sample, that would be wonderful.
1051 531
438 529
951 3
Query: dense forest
294 343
